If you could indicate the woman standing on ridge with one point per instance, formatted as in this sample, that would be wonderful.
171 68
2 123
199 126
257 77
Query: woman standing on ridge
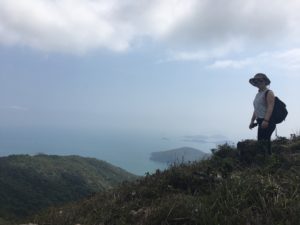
263 108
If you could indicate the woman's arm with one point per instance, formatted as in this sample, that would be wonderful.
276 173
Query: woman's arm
253 118
270 107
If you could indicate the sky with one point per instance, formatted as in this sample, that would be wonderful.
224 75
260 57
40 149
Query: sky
169 67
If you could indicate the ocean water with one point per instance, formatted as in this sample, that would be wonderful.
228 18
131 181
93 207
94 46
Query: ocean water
130 151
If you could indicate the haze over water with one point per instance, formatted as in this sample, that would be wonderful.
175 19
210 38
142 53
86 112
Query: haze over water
128 151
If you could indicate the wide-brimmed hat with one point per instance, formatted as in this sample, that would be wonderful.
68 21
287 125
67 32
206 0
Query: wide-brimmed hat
259 76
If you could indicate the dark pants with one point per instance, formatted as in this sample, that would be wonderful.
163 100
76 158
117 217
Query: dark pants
264 135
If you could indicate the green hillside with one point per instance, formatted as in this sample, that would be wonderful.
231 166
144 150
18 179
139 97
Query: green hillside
235 186
31 183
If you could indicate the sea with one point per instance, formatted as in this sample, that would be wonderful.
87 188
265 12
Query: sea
128 150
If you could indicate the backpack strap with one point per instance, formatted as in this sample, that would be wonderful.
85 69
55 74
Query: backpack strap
266 94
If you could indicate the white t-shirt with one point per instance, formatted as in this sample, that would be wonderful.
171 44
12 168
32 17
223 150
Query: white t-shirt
260 104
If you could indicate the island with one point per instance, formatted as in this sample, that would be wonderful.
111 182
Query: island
179 155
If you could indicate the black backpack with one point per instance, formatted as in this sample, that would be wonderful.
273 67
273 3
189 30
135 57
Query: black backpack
279 112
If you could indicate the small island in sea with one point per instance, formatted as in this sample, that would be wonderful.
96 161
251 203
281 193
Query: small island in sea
179 155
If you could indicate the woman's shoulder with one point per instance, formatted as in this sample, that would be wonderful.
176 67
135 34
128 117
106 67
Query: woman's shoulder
269 92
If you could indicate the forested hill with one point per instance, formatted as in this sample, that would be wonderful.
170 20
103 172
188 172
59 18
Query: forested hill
31 183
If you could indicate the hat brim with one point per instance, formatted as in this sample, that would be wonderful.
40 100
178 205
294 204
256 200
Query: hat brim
252 81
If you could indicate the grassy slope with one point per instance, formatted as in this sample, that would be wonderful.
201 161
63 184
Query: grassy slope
4 222
228 189
31 183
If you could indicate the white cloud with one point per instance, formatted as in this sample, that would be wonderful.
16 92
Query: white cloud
66 25
83 25
202 55
235 64
287 59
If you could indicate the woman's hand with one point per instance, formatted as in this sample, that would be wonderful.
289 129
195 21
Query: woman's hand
252 125
264 124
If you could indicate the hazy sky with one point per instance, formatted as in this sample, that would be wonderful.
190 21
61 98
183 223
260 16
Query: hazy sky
173 67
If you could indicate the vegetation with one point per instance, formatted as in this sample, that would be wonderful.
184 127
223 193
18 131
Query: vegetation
4 222
237 185
31 183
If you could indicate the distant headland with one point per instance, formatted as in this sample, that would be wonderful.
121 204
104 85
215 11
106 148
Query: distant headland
178 155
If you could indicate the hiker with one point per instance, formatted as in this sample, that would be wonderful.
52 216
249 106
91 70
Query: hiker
263 108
